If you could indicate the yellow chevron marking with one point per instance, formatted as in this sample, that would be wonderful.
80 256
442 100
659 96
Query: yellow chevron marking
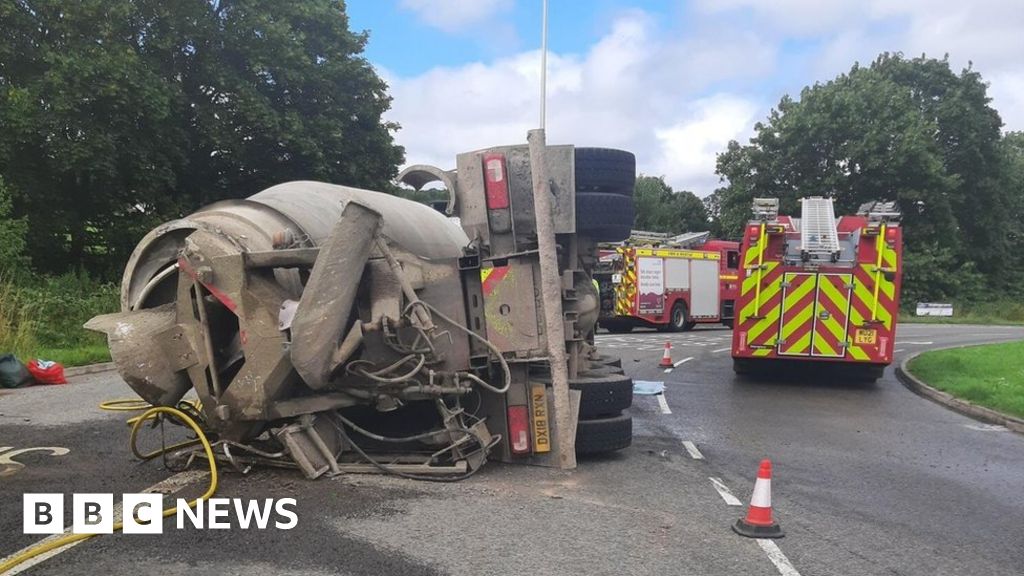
857 353
839 300
767 292
794 322
824 348
800 345
864 295
770 320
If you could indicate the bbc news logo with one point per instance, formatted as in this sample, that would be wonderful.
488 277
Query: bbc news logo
143 514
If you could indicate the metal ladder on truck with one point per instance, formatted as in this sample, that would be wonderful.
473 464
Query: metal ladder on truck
819 239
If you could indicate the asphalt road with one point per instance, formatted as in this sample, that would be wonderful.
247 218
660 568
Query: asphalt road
869 479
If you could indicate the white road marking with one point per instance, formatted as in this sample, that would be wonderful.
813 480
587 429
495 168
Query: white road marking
777 557
897 350
8 466
168 486
691 448
681 362
721 350
664 404
912 342
724 492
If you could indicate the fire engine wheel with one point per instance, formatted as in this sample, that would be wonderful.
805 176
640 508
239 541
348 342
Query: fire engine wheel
605 170
679 318
600 435
604 217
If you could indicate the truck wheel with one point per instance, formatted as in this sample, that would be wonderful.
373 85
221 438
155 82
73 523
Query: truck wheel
601 369
604 217
678 318
605 170
617 327
601 394
608 360
690 324
604 435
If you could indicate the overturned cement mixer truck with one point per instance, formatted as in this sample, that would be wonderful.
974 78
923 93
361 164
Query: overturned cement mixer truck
334 329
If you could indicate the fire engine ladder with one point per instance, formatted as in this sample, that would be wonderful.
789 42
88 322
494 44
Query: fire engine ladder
880 214
764 210
818 236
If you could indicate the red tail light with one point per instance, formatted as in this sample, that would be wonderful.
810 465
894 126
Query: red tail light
519 429
495 181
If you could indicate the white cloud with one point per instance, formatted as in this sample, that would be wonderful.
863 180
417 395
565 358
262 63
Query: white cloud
456 15
985 33
675 96
689 147
637 88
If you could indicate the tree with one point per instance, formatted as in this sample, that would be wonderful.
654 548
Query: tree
659 208
909 130
12 238
118 114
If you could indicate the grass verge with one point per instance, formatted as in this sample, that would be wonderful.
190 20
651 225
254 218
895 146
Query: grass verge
991 375
43 317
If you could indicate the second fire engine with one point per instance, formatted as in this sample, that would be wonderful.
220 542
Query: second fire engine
818 288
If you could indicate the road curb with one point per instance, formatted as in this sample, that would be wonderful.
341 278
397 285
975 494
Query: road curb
964 407
89 369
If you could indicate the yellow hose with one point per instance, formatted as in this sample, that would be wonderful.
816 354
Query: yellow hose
151 413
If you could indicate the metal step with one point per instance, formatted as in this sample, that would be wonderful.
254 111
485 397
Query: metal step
818 226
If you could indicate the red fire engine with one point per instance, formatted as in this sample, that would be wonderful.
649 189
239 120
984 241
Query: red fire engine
669 283
817 288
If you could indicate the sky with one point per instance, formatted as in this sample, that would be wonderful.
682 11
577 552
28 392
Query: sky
671 80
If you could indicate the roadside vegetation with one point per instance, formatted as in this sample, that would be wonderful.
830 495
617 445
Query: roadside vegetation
1000 312
204 101
990 375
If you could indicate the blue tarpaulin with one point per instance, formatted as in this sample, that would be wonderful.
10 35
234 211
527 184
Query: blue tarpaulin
648 387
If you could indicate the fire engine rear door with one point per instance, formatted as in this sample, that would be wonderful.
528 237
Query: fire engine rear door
798 302
832 315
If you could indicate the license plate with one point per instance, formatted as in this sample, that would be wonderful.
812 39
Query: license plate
541 429
865 336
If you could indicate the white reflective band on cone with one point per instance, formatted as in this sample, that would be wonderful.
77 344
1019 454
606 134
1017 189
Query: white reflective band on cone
762 497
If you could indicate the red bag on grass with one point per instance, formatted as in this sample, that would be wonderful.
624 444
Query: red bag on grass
46 372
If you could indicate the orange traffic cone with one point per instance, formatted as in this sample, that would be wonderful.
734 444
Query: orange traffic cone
759 522
666 358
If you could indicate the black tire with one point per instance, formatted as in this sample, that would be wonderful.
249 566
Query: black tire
728 323
867 374
742 366
609 360
596 368
605 170
689 326
617 327
601 394
678 318
604 435
604 217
